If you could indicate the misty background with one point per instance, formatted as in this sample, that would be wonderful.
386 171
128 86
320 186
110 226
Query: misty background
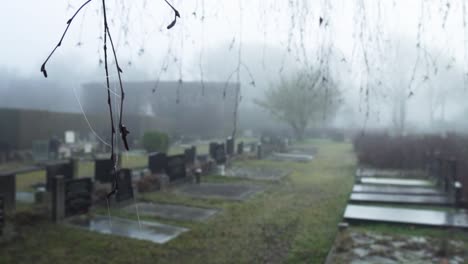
397 63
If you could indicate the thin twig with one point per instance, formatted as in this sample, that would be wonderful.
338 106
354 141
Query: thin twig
43 69
176 15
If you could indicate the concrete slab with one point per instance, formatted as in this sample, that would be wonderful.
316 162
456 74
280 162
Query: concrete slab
406 216
400 199
385 189
143 230
25 197
291 157
172 211
235 192
256 173
387 173
396 181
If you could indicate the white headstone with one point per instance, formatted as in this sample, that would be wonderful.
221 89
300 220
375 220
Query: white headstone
69 137
88 148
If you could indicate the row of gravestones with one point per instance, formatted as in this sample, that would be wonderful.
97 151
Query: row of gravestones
74 196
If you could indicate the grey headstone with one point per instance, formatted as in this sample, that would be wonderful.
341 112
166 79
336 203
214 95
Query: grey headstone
58 198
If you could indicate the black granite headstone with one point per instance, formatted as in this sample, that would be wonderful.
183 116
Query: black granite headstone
8 191
157 162
78 194
190 155
65 169
240 148
124 183
175 168
2 213
103 170
230 146
220 154
212 149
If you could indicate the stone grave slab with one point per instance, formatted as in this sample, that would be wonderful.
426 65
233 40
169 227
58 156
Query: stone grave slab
291 157
406 216
257 173
303 150
386 173
396 181
143 230
400 199
386 189
25 197
235 192
172 211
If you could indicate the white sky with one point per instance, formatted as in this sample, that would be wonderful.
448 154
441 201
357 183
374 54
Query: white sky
29 29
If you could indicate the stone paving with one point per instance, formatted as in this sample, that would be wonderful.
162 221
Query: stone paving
368 247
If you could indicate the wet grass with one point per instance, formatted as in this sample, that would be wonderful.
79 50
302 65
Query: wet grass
292 221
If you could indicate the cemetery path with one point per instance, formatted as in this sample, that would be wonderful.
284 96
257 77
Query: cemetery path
292 221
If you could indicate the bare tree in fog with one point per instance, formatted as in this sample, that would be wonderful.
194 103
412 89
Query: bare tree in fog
306 98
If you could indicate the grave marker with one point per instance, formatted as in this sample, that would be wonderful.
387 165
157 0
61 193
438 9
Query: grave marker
78 194
66 169
230 146
212 149
103 169
240 148
8 191
190 155
157 162
2 214
175 167
220 154
124 183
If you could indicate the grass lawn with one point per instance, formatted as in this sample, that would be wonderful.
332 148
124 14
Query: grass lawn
293 221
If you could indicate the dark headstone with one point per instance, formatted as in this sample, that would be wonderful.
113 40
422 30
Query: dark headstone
103 169
230 146
259 151
57 186
66 169
2 213
190 155
157 162
8 191
220 154
124 183
240 148
78 194
175 168
212 149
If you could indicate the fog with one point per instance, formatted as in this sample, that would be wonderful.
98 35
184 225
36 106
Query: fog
396 63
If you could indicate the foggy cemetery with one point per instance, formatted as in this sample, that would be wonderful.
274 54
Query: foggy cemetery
234 132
